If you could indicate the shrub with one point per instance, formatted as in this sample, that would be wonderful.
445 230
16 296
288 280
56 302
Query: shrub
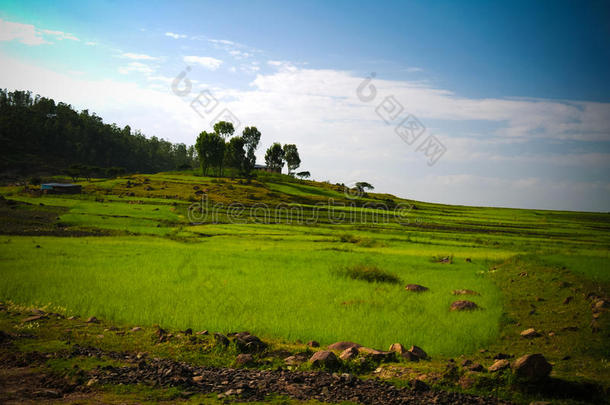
370 274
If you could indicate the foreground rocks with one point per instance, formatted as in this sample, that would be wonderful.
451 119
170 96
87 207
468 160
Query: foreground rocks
532 367
415 288
463 305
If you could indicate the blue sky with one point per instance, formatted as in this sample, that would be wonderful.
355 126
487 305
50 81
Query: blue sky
517 93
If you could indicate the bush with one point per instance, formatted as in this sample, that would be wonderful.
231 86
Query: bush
370 274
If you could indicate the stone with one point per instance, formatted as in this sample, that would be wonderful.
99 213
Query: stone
247 343
419 385
463 305
377 355
202 333
600 304
34 318
198 379
313 343
466 363
221 339
464 292
340 346
530 333
419 352
415 288
244 359
92 319
189 331
476 367
324 358
397 348
410 356
136 329
532 367
499 365
349 353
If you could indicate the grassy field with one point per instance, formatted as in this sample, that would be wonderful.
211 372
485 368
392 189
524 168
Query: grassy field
290 261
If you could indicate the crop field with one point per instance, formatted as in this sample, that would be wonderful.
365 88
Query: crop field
138 259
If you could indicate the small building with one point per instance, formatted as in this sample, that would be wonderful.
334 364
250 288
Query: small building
61 188
265 168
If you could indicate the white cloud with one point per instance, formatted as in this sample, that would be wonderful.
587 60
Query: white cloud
90 43
137 56
206 61
136 67
24 33
175 36
414 69
60 35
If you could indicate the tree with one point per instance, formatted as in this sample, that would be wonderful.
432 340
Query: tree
235 155
251 137
224 128
304 175
362 185
291 156
274 157
210 149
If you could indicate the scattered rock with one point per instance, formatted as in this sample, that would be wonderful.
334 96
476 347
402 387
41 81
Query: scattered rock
189 331
476 367
296 359
415 288
221 339
313 343
244 359
465 292
324 358
410 356
202 333
349 353
463 305
466 363
397 348
419 352
92 319
377 355
340 346
34 318
532 367
600 304
197 378
499 365
136 329
530 333
501 356
247 343
72 318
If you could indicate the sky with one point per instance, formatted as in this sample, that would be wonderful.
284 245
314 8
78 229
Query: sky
473 102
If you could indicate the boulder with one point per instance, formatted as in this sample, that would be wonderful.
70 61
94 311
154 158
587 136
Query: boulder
532 367
349 353
499 365
415 288
463 305
397 348
244 359
419 352
530 333
324 358
340 346
247 343
465 292
410 356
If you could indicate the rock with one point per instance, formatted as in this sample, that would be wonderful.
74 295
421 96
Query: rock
463 305
410 356
532 367
198 379
397 348
600 304
221 339
136 329
92 319
349 353
340 346
72 318
296 360
465 292
499 365
313 343
247 343
91 382
324 358
244 359
202 333
466 363
419 385
530 333
568 300
501 356
419 352
476 367
415 288
33 318
189 331
377 355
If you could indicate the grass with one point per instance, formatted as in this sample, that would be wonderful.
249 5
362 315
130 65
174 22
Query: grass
277 278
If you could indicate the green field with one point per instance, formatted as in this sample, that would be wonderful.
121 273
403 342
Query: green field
281 276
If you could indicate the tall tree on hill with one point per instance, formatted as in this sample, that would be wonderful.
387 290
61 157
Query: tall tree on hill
292 158
235 155
274 157
210 148
224 129
251 137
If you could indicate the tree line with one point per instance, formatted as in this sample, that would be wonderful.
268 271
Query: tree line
36 133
